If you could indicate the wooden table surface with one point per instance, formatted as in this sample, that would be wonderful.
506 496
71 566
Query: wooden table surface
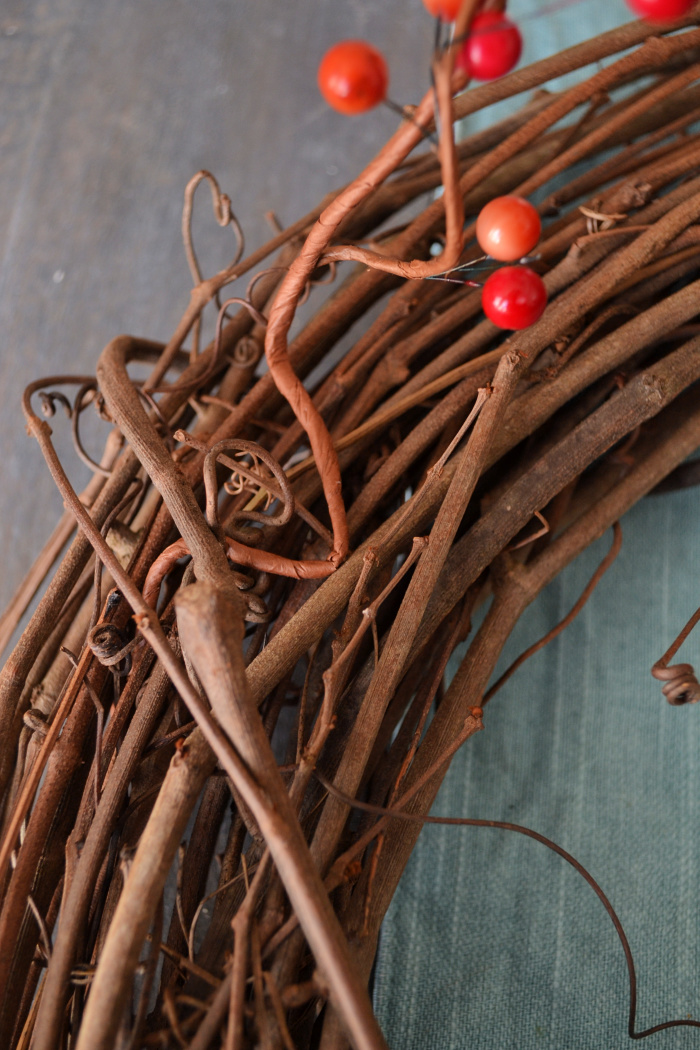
106 111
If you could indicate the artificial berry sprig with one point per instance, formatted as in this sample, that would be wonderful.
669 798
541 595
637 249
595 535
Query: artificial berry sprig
507 228
353 78
445 85
317 247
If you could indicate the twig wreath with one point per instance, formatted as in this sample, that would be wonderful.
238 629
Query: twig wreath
249 544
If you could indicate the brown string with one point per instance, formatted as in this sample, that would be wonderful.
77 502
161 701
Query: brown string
454 205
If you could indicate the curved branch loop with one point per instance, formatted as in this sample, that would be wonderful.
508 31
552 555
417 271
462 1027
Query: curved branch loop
79 405
259 457
215 363
221 203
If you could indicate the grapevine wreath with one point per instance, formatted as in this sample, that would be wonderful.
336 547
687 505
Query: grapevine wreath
226 719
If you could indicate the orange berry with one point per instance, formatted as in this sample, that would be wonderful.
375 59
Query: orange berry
353 77
447 10
507 228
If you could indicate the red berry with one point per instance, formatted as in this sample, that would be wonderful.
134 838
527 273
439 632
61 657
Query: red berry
492 48
508 228
353 77
514 297
661 10
447 10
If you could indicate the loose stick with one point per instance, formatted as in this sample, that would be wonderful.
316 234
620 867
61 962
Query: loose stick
187 773
129 414
76 902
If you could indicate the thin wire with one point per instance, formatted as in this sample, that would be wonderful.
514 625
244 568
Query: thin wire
405 114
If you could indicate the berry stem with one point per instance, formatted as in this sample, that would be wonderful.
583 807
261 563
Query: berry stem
405 113
315 248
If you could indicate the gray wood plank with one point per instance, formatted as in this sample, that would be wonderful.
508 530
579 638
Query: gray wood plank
106 111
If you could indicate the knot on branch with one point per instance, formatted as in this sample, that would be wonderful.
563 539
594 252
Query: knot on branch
682 686
257 610
654 386
112 648
35 720
49 399
247 351
636 194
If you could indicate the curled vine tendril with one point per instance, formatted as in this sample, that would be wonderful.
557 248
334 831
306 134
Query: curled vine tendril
221 204
87 395
262 469
681 685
